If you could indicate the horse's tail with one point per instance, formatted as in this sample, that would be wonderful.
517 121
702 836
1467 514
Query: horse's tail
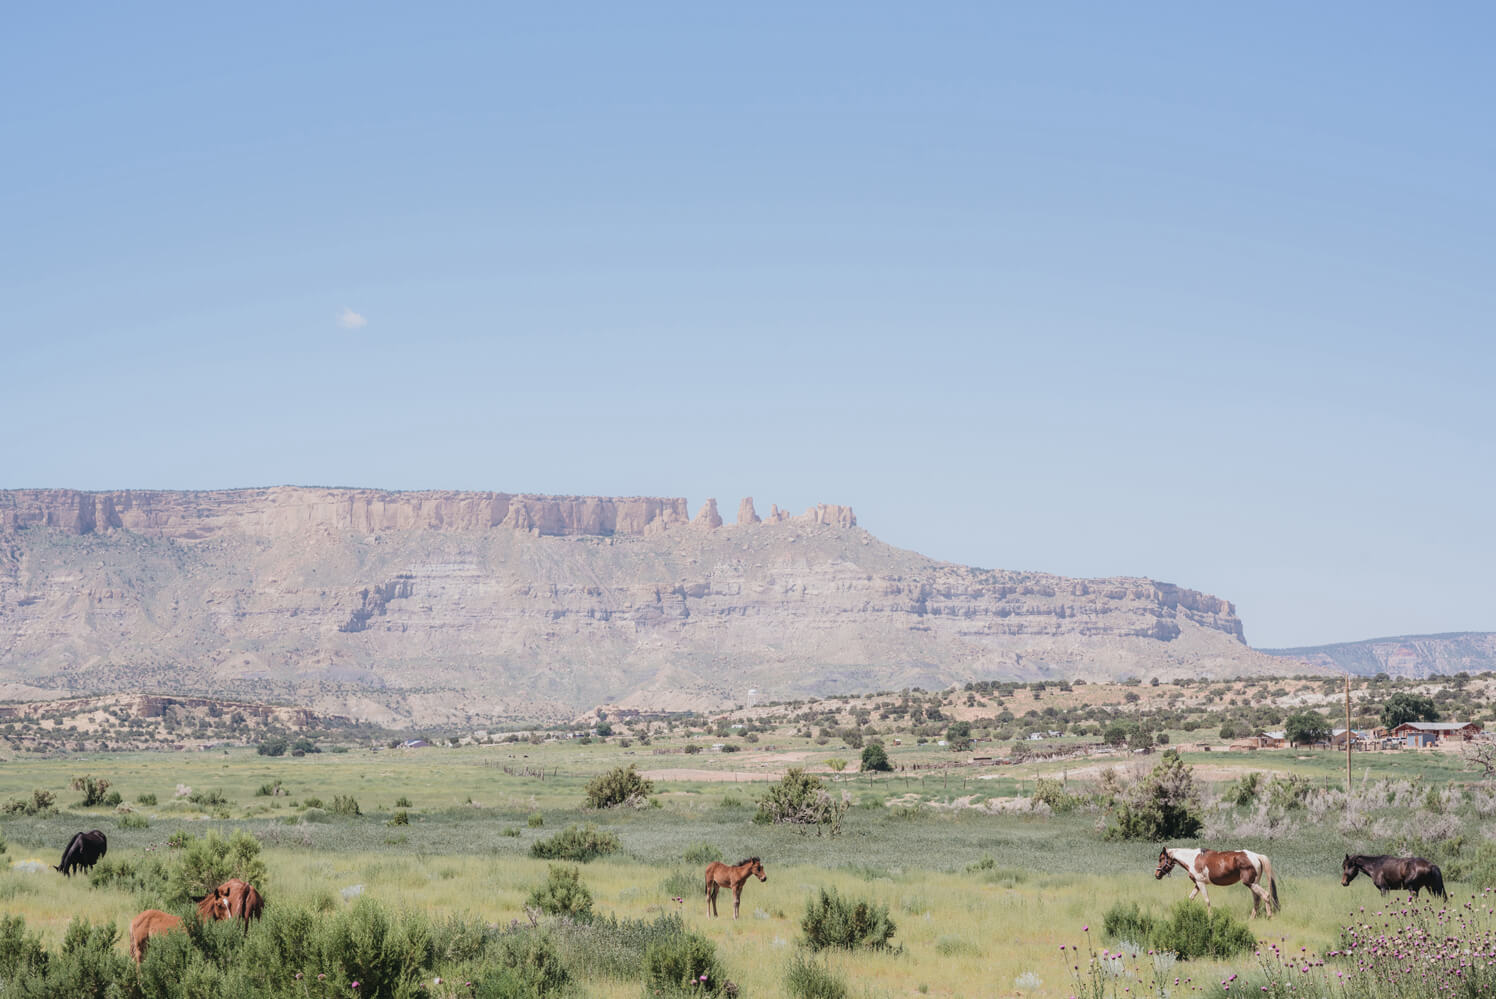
1272 882
1436 882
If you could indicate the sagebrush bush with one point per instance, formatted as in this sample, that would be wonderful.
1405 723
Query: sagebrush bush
535 821
207 862
562 894
850 924
683 964
614 947
578 843
619 786
802 799
1189 931
807 978
145 799
702 853
1162 806
345 804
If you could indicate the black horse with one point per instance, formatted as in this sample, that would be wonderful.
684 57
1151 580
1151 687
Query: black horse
83 851
1395 873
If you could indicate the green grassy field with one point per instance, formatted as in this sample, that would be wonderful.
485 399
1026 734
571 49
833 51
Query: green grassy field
992 931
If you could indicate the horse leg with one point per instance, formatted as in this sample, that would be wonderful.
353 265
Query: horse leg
1259 894
711 899
737 896
1200 886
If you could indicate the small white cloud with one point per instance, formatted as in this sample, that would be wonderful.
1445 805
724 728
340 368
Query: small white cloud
350 320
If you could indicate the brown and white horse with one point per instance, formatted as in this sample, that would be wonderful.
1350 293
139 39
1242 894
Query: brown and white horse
1224 867
719 875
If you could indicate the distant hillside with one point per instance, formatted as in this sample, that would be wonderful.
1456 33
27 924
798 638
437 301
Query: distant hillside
1404 655
442 607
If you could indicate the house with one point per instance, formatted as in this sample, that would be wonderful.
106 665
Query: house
1361 738
1272 740
415 744
1433 733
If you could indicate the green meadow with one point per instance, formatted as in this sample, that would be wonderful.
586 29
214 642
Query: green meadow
983 895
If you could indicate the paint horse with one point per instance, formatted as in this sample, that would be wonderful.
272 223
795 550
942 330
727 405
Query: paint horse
1395 873
1224 867
719 875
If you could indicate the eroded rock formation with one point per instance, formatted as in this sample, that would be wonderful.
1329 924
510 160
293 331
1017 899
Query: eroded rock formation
454 607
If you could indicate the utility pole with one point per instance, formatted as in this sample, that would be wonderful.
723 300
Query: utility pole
1347 733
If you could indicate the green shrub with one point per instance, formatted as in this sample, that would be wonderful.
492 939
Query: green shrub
702 853
1162 806
40 803
1190 930
93 788
89 965
208 799
145 799
402 802
562 894
511 831
683 964
400 818
614 948
21 953
801 799
692 749
682 884
311 802
832 921
534 961
133 822
535 821
270 789
875 759
1051 792
345 804
207 862
619 786
276 745
807 978
1288 792
578 843
1244 790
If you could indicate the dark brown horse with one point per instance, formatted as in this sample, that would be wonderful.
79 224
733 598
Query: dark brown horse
719 875
234 899
1224 867
1395 873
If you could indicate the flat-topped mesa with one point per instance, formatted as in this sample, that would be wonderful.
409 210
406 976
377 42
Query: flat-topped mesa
287 510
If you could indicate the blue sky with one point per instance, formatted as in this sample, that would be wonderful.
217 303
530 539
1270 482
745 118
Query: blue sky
1202 295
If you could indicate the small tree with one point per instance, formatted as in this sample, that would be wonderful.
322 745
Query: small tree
563 893
619 786
276 745
802 799
94 789
837 764
1306 727
958 737
1399 709
875 759
1164 805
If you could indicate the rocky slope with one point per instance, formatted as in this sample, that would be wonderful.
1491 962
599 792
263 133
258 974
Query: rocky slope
437 607
1404 655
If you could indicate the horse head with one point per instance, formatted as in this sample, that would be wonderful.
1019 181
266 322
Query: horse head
1165 864
758 870
1348 871
214 905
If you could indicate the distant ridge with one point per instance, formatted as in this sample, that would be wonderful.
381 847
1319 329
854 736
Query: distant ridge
1403 655
445 607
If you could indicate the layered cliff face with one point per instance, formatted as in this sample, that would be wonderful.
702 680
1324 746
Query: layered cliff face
457 607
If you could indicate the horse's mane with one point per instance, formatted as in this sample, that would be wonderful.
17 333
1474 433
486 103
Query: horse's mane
745 861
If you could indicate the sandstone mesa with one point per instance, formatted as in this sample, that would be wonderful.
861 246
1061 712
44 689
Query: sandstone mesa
455 607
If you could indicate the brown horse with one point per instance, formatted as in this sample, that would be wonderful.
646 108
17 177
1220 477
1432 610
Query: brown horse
150 923
1395 873
234 899
719 875
1224 867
